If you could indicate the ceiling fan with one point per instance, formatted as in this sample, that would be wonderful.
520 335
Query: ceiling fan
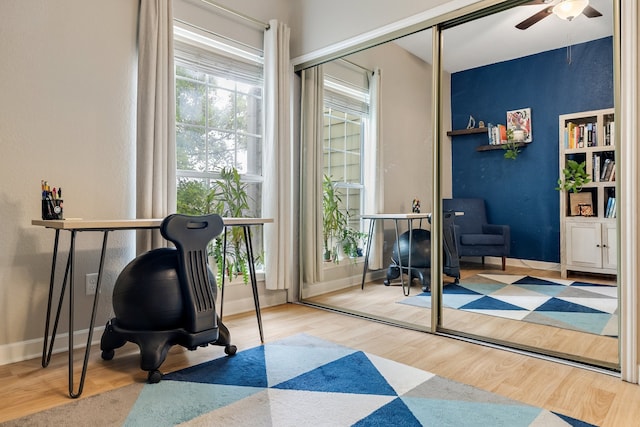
565 9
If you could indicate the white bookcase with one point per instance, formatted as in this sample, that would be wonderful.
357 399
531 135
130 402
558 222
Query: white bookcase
588 241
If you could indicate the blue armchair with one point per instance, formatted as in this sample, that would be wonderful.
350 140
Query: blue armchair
476 237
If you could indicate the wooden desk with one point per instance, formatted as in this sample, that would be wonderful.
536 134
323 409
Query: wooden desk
106 226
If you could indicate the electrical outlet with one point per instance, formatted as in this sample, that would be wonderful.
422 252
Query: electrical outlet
91 282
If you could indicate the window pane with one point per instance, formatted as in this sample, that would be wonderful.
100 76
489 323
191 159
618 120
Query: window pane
222 108
190 107
190 148
221 150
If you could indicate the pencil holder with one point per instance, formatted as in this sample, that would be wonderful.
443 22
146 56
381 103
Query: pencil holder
52 209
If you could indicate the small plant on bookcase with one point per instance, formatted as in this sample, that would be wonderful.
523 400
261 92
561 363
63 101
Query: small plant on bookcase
574 176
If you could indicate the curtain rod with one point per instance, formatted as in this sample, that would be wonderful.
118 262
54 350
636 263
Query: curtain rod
238 14
355 65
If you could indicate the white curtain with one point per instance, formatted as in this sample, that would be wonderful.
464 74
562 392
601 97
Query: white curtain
156 145
373 170
279 181
311 134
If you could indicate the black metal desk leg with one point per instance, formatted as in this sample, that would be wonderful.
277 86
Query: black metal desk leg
395 221
46 355
224 268
92 322
372 223
252 273
406 293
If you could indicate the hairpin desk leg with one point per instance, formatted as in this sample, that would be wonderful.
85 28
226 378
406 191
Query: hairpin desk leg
252 274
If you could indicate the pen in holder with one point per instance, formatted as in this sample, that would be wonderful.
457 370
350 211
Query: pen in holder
52 209
51 201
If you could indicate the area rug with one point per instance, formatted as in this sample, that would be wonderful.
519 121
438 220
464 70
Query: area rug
579 306
299 381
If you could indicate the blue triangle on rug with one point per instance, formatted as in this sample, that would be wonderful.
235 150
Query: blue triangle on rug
488 303
556 304
580 306
247 369
529 280
343 376
395 413
324 383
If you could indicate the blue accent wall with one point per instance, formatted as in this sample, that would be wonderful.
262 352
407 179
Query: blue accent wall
521 192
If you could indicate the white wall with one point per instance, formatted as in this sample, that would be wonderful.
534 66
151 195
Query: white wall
68 89
67 79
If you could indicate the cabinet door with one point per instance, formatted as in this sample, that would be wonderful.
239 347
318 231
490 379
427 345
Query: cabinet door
584 244
609 246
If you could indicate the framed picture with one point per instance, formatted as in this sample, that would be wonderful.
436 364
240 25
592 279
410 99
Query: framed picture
581 204
519 121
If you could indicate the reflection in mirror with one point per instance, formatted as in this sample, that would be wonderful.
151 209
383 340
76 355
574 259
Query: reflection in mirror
367 129
559 293
367 144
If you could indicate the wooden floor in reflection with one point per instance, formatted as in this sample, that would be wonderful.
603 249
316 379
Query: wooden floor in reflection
380 302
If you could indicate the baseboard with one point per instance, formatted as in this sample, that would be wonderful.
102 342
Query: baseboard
238 299
524 263
32 349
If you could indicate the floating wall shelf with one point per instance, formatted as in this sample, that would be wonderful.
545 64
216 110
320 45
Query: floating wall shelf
467 131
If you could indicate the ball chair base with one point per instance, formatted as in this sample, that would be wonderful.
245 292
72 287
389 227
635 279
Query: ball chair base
154 345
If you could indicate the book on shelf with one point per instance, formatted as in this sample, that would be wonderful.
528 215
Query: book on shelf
497 134
608 171
596 168
609 133
610 212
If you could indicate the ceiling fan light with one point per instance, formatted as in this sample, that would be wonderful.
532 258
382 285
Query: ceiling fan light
569 9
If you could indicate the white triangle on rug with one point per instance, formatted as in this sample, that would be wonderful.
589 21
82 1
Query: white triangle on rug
299 408
402 378
458 300
503 278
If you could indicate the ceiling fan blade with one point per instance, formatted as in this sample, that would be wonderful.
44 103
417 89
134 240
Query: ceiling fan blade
535 18
591 12
535 2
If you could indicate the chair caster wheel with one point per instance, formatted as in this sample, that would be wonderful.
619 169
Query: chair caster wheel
108 354
426 289
386 283
230 349
154 377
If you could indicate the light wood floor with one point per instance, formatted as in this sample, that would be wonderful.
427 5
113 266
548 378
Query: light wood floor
594 397
597 398
381 302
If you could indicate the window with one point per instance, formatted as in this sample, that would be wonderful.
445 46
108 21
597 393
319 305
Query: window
345 117
218 119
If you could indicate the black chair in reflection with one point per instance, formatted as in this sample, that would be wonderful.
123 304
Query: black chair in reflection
421 255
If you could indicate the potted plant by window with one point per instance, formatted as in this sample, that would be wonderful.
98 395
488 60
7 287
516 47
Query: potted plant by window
227 197
334 220
352 242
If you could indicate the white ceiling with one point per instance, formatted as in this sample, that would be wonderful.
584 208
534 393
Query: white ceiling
495 39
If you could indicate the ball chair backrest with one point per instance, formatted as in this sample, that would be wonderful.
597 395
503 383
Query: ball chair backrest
191 235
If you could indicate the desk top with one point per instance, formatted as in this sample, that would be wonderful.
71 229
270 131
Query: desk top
129 224
397 216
